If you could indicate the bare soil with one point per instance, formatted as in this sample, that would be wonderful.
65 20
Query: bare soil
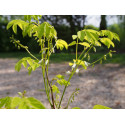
103 84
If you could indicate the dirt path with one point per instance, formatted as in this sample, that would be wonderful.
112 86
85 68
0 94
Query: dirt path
101 85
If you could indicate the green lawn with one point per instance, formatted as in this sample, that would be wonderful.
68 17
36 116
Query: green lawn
65 57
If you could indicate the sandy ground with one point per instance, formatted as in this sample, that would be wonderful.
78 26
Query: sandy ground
104 84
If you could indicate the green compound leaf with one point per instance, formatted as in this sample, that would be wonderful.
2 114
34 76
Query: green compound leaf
91 35
14 23
107 42
63 82
72 43
29 70
33 64
55 89
24 63
15 102
116 37
15 28
30 62
24 104
28 17
81 35
46 30
34 103
109 34
85 44
10 24
5 102
100 107
18 66
60 44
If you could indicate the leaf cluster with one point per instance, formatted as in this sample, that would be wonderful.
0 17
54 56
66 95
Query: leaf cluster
20 103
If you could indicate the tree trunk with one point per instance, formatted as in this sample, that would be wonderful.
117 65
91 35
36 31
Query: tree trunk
103 23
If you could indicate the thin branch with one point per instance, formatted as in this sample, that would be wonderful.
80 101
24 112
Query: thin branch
50 89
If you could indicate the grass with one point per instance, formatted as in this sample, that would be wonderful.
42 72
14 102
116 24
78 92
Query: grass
66 57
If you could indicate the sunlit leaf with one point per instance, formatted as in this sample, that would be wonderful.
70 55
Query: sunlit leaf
55 89
72 43
81 35
100 107
60 44
15 102
34 103
74 37
85 44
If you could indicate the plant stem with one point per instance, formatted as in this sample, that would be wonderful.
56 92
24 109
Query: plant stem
70 98
71 77
50 89
65 88
31 54
43 72
76 48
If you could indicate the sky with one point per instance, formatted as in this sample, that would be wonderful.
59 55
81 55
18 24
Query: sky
95 20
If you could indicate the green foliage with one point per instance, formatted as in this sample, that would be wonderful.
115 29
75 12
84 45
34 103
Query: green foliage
79 62
27 61
60 44
92 37
55 89
85 44
72 43
63 82
46 37
100 107
74 37
20 103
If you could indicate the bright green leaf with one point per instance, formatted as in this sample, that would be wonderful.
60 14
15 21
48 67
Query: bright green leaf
24 63
85 44
100 107
72 43
15 102
34 103
81 35
74 37
55 89
60 76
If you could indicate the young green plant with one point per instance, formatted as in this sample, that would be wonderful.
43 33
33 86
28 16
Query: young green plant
46 36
